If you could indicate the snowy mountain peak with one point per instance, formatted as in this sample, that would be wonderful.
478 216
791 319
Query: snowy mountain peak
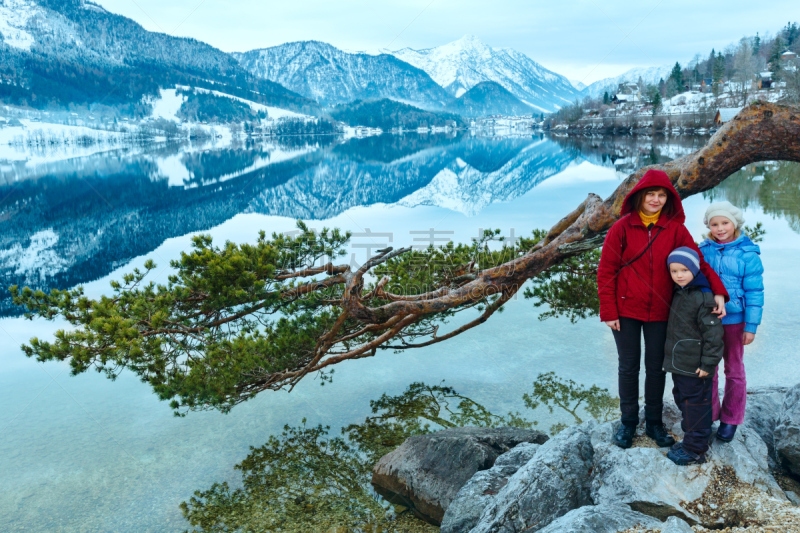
329 75
461 64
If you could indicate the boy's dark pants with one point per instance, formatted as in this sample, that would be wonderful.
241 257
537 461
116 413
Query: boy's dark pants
693 396
629 348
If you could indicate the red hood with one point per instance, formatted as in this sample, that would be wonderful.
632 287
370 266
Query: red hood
656 178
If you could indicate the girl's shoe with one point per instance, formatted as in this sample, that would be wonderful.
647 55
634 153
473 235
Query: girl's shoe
683 457
726 432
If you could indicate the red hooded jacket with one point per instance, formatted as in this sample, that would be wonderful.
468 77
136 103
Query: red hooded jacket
643 289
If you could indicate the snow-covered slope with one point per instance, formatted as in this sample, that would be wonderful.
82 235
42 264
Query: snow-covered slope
14 18
328 75
460 65
76 52
648 75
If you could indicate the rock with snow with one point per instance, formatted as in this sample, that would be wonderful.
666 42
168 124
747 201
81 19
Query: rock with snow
762 414
787 432
465 510
460 65
554 482
652 484
606 518
426 472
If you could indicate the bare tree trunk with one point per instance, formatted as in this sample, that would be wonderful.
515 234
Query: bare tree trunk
760 132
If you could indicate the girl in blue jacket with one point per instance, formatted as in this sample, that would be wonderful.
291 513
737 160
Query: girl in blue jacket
736 259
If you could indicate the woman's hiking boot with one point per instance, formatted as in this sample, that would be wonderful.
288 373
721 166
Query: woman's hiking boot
624 436
726 432
683 457
658 433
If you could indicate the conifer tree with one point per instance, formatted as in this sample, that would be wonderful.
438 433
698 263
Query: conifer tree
677 75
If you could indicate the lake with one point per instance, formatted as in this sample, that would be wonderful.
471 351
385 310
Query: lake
87 454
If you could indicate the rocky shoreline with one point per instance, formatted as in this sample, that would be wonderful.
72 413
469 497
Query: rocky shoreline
510 480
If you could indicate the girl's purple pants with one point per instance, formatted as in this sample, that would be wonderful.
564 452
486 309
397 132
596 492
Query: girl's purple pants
732 409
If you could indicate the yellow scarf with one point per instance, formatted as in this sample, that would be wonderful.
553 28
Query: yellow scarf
649 219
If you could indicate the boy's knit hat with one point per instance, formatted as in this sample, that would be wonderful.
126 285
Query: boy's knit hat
686 257
724 209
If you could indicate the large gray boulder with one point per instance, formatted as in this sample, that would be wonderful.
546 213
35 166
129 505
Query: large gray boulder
426 472
762 415
787 432
605 518
465 510
652 484
554 482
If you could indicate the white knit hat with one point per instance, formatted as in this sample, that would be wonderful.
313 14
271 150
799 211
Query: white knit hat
724 209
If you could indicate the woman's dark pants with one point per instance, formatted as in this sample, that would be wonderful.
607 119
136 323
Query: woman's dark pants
629 348
693 396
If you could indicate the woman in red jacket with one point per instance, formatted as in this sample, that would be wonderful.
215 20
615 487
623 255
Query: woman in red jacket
635 292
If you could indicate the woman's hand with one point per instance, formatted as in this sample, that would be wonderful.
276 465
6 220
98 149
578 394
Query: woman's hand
701 373
720 308
748 337
613 324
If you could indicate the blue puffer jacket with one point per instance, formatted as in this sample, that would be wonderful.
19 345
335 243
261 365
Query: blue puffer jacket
739 266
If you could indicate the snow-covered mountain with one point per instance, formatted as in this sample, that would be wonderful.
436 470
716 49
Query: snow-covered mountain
76 52
488 98
648 75
328 75
579 85
460 65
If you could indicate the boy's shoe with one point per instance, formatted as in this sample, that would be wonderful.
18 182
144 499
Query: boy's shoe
683 457
658 433
726 432
676 445
624 436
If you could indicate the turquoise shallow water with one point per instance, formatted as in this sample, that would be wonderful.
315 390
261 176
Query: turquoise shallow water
87 454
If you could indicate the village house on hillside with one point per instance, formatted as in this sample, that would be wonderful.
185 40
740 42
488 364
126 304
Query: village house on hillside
764 80
627 93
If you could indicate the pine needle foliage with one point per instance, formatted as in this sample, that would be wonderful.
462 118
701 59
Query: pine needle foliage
234 320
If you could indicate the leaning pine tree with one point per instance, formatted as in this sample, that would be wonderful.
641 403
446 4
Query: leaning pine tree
236 320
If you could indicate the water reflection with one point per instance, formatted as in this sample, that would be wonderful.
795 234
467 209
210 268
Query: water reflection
308 480
69 221
774 186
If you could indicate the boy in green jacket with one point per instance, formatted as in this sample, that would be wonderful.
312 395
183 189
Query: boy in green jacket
693 349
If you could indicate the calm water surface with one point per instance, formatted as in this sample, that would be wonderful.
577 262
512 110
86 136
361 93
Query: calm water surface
87 454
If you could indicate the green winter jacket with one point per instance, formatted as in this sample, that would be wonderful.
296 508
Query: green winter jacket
694 334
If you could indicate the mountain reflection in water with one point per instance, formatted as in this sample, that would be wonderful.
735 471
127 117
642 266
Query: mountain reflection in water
72 221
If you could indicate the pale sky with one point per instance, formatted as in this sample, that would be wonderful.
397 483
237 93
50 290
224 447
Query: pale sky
585 40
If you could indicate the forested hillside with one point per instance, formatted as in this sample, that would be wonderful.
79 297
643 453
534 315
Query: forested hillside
387 114
75 52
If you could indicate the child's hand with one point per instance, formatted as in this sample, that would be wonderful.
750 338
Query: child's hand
748 337
613 324
701 373
719 310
